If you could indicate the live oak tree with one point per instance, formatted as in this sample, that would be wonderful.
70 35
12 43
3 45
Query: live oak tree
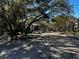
14 14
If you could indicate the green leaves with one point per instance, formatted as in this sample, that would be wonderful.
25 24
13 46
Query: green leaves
16 13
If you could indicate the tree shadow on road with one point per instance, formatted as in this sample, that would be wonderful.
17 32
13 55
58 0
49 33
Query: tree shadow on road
49 47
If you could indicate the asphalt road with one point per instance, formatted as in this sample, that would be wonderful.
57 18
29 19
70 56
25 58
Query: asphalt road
43 47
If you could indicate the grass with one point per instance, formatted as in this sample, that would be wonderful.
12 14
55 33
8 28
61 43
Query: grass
72 33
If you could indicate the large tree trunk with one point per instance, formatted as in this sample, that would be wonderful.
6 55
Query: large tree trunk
34 20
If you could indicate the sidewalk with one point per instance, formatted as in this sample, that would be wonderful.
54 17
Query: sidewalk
53 33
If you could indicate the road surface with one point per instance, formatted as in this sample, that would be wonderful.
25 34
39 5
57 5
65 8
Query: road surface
43 47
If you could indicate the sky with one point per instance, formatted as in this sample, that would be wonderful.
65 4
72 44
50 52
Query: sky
75 4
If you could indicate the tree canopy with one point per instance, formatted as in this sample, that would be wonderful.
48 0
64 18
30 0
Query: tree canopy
15 13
